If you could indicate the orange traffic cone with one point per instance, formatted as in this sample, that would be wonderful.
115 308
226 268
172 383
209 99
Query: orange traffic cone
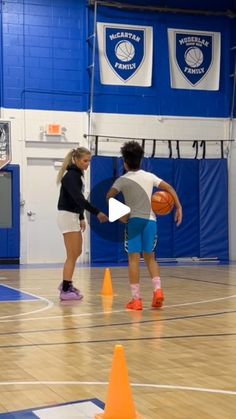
119 403
107 284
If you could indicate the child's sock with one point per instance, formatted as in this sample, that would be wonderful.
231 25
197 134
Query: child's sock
156 282
66 285
135 291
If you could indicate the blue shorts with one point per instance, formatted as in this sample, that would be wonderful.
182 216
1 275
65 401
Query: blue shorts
141 235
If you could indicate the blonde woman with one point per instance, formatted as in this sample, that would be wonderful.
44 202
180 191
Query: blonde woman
71 206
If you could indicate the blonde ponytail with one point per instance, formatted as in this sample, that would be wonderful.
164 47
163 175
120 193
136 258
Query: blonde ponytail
76 153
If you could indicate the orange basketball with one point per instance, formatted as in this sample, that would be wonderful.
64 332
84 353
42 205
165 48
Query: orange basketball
162 203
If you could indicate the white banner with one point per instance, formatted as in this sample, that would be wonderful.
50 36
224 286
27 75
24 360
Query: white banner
5 143
125 54
194 58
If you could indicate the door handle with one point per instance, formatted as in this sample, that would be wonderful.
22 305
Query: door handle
30 213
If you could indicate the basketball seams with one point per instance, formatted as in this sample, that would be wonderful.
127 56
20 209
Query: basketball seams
162 202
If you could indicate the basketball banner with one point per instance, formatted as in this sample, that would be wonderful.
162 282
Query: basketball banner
194 59
125 54
5 144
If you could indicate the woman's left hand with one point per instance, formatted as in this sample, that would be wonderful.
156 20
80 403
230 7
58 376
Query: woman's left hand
82 225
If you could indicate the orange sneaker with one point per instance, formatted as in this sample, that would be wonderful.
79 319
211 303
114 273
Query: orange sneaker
158 298
135 304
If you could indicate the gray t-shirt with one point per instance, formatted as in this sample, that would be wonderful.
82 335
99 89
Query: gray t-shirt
137 188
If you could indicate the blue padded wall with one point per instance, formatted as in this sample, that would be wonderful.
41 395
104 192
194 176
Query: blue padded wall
164 168
186 241
103 174
200 184
10 237
213 208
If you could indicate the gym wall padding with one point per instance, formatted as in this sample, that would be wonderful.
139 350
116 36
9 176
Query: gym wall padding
10 237
186 242
164 168
202 188
213 206
103 174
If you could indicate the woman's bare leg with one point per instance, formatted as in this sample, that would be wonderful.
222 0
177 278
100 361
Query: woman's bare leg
73 244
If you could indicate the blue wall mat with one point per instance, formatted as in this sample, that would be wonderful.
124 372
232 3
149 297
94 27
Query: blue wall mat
164 168
186 239
10 294
121 253
103 174
10 237
213 208
200 185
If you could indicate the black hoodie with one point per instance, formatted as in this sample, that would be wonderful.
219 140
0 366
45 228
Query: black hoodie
71 197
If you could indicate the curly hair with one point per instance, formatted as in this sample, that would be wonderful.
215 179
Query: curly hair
132 153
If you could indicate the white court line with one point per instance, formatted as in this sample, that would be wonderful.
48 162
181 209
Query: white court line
102 383
11 319
205 266
17 301
202 302
99 312
49 304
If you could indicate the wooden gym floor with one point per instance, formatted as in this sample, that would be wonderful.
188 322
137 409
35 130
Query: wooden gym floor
181 359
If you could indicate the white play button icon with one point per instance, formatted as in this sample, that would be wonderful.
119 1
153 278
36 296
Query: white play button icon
116 210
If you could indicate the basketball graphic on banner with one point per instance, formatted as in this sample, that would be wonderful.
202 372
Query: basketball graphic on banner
193 57
5 143
125 54
124 51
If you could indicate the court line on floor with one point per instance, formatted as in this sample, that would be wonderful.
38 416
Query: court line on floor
102 383
202 280
5 319
124 323
201 302
49 304
114 340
